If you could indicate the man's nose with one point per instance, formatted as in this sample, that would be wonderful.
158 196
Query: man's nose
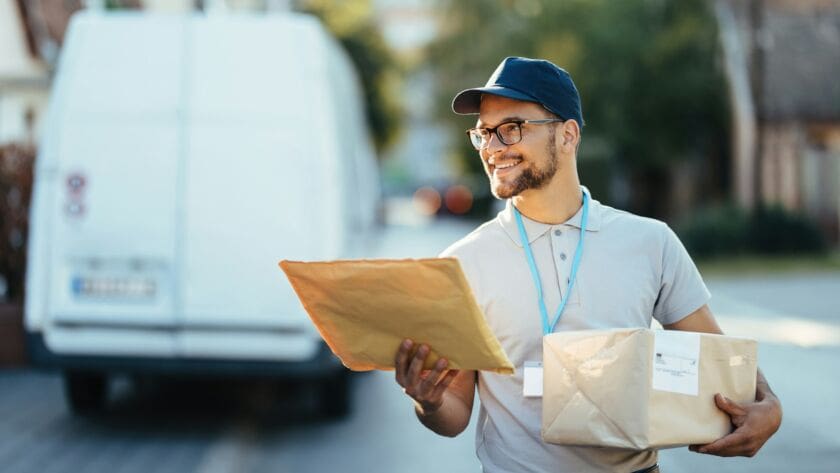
494 144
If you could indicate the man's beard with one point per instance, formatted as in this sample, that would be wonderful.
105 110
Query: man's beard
531 177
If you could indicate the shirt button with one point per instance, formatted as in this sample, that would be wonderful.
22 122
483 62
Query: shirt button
557 233
563 256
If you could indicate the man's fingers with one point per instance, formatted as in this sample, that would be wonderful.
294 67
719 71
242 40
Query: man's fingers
432 377
416 366
752 429
444 383
729 406
426 387
731 445
401 361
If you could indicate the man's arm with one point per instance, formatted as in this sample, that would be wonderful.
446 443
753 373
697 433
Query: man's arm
443 399
754 422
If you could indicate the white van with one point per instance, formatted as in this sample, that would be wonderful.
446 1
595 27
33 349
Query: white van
183 157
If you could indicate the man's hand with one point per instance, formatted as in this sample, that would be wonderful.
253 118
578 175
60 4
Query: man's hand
754 423
425 387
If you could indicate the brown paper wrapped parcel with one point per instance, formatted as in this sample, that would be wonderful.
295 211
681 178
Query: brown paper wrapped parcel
641 388
364 309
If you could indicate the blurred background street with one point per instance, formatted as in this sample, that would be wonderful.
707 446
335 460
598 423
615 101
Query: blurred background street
157 157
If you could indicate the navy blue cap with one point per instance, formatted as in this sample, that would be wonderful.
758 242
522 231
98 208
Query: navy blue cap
531 80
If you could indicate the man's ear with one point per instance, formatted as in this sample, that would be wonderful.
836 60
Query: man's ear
570 132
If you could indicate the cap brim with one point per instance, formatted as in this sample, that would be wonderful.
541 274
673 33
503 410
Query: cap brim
468 102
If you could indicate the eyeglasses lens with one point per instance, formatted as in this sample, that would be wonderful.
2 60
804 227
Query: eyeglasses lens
477 138
508 134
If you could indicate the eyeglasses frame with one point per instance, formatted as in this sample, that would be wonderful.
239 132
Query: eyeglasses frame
495 130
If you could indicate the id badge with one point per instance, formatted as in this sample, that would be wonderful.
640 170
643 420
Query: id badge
532 379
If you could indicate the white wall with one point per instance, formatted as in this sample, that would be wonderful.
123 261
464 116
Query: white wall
23 84
15 61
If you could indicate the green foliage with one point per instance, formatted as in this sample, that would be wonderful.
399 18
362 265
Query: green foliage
715 231
730 231
352 22
649 80
775 230
122 4
647 70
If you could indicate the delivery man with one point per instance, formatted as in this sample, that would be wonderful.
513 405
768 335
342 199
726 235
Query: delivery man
556 259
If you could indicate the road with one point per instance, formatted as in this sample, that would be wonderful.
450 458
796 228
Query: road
222 426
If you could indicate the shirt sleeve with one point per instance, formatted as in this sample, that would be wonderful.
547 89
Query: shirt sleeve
681 289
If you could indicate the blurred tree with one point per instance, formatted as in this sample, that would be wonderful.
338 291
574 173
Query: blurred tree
380 74
122 4
648 73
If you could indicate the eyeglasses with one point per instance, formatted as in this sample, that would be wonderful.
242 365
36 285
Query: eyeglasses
509 133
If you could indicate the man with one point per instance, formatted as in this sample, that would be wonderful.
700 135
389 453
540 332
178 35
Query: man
632 269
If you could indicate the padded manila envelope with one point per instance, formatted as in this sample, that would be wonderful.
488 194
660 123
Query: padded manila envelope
364 309
641 388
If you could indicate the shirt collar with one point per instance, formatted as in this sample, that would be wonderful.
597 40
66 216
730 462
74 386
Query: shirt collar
535 229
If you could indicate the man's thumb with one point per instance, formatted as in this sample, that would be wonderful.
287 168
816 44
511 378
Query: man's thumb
729 406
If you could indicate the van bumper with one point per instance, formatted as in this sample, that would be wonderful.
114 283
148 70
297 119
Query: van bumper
323 364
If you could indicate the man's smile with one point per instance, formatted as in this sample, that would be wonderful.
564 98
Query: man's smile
502 168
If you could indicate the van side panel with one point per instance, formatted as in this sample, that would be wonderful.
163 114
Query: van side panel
258 187
359 175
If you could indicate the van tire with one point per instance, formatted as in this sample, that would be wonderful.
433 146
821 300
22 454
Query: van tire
85 392
335 395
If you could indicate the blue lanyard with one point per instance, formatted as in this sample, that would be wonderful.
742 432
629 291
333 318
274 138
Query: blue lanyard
535 275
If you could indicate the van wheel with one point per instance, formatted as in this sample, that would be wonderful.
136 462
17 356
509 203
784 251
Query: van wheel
86 393
335 395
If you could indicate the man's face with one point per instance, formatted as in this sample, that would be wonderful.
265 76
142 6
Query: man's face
529 164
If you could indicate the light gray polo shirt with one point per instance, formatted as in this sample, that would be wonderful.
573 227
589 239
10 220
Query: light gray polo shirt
633 268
